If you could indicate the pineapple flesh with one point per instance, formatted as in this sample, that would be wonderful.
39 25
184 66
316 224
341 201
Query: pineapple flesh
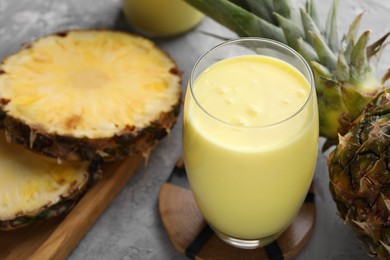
84 94
33 187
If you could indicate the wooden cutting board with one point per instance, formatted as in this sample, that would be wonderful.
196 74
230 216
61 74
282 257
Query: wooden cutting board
56 238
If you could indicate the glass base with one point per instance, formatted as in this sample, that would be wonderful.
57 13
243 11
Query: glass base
247 243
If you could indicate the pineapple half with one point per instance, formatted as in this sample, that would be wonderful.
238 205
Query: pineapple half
34 188
84 94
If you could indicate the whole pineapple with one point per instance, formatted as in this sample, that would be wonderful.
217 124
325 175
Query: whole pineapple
346 86
360 176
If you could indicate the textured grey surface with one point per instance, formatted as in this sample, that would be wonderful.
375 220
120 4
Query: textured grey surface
131 227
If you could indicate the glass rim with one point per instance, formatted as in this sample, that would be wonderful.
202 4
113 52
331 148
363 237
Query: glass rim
257 39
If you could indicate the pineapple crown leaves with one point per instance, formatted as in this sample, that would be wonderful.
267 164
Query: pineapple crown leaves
331 28
346 65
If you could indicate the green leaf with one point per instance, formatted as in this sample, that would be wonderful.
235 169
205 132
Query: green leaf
241 3
309 26
306 50
351 34
311 9
283 7
291 32
325 54
359 63
262 8
294 14
348 40
237 19
348 51
331 28
354 27
353 101
376 46
386 77
342 68
321 71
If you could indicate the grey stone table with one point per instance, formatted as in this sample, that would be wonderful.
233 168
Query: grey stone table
131 227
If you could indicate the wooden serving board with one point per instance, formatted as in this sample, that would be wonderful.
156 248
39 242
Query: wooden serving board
56 238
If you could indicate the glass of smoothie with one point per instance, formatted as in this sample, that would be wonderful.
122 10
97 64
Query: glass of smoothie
250 138
161 17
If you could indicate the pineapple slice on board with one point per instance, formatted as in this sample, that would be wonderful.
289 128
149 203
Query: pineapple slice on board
84 94
34 188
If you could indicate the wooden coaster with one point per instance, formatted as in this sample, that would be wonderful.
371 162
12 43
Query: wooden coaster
191 236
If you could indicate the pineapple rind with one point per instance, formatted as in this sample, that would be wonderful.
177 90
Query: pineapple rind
68 148
53 211
115 111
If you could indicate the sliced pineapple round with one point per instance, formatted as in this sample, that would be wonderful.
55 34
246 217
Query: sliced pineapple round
88 93
33 187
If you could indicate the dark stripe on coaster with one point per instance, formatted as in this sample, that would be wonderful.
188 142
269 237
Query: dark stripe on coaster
178 177
176 172
309 197
201 239
273 251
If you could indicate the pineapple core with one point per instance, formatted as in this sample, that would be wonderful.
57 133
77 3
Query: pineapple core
29 183
90 84
89 78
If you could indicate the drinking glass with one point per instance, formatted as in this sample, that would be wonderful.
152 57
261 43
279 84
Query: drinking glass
249 180
161 17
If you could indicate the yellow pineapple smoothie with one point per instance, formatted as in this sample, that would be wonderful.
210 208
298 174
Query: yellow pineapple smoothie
161 17
250 144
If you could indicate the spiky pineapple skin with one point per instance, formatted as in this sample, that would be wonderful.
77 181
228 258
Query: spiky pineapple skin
359 170
127 141
68 148
51 212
